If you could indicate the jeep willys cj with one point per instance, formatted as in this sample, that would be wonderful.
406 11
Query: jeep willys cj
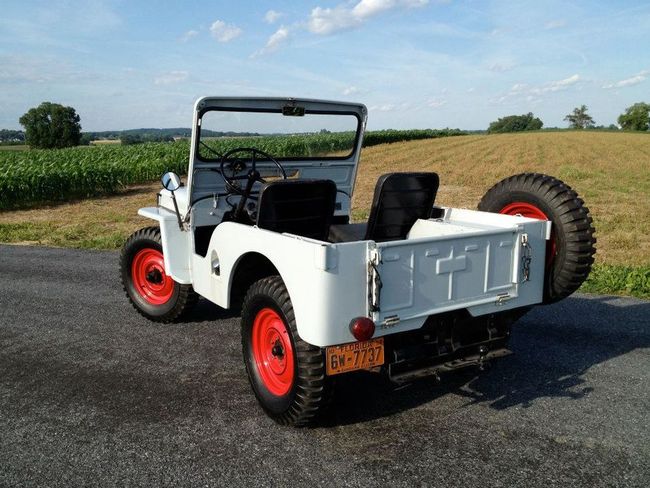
263 225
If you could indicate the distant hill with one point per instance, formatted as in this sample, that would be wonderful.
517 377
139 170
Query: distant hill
150 133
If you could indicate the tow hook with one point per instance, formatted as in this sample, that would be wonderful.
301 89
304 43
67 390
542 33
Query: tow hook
482 355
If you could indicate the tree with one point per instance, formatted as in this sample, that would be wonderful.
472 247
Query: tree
636 117
13 136
580 119
51 125
86 139
515 123
129 139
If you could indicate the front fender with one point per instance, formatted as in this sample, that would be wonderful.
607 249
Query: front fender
176 243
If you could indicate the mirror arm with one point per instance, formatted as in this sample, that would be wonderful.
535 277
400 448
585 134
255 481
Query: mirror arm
172 182
178 214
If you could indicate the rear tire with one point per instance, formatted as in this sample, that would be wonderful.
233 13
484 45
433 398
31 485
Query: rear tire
286 373
153 293
570 253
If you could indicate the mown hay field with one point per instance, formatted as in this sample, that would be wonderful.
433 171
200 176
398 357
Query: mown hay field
610 171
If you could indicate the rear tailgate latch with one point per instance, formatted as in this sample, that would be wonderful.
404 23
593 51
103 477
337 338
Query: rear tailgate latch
526 258
374 280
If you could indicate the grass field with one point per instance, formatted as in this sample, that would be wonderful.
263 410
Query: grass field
611 171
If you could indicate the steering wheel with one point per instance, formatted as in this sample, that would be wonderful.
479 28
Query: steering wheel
251 176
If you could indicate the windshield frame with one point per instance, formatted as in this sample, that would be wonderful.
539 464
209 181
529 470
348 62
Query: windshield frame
353 149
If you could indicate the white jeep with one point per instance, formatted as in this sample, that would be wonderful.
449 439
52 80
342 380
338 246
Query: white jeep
263 223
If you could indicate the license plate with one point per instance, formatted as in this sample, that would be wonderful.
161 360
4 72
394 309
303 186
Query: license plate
354 356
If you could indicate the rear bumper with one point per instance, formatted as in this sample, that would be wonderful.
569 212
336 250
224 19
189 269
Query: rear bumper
448 342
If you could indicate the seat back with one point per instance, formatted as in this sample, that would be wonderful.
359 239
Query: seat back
301 207
400 199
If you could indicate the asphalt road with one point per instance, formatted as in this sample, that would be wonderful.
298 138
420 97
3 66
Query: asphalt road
92 394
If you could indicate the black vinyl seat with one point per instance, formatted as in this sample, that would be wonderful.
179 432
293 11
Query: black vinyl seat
301 207
399 200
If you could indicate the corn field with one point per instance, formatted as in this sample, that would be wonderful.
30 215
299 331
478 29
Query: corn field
40 176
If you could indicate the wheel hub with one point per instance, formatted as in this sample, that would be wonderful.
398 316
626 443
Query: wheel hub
154 276
277 350
149 278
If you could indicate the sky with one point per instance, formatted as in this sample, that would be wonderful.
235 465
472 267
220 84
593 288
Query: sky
414 63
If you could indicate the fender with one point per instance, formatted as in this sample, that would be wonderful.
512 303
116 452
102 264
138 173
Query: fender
176 243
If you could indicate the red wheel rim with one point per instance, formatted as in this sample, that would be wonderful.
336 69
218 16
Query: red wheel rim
149 278
273 352
531 211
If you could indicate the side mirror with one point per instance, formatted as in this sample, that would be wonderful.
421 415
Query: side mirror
171 181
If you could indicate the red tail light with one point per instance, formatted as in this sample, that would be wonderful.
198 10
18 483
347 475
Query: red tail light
362 328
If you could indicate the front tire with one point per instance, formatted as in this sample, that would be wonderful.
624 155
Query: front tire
286 373
153 293
570 252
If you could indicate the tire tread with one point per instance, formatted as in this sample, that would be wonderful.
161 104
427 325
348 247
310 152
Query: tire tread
570 216
186 298
313 390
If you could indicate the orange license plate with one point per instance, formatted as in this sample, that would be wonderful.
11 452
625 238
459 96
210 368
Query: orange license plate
354 356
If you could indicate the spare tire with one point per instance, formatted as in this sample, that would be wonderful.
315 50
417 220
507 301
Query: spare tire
570 252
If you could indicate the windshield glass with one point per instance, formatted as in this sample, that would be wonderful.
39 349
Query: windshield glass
313 135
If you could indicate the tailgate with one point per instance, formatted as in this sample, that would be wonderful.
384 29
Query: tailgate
423 276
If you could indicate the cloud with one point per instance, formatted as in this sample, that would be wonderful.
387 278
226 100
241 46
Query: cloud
223 32
436 102
44 69
325 21
634 80
388 107
555 24
277 39
350 90
171 78
392 107
518 87
189 35
555 86
88 16
530 93
271 17
501 66
368 8
16 69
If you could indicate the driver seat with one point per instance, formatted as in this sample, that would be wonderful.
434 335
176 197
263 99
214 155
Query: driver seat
300 207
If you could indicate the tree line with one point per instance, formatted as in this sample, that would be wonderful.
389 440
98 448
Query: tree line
51 125
636 117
